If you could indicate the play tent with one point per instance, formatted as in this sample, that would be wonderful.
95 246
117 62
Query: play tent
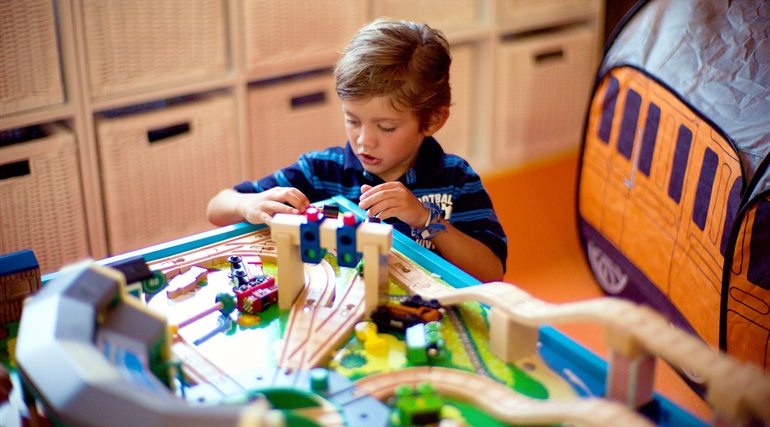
674 185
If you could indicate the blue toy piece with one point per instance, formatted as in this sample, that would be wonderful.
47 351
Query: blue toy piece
15 262
347 256
310 237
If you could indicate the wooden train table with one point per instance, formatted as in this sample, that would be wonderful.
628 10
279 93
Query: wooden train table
328 321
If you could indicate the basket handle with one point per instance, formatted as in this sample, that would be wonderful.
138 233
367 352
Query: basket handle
160 134
555 54
308 100
12 170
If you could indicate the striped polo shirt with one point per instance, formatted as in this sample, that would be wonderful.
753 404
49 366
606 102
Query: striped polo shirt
444 179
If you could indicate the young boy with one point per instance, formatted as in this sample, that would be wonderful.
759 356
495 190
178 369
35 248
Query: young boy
393 80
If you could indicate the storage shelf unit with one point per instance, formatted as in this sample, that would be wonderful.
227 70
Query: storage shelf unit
40 196
267 65
31 76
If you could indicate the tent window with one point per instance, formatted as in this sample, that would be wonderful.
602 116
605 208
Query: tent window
608 109
700 207
759 258
733 200
629 123
648 140
678 169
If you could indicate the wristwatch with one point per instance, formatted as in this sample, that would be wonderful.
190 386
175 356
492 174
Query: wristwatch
432 226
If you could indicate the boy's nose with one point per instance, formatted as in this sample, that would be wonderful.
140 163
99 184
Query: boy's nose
365 138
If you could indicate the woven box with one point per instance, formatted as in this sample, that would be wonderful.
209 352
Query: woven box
291 117
456 133
543 87
281 31
41 203
144 44
29 69
445 15
161 167
527 12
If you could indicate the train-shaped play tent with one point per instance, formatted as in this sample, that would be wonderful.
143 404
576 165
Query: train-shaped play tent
674 183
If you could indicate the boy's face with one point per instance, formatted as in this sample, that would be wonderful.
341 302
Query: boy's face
385 140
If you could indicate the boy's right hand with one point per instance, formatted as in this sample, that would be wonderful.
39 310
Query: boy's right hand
393 200
259 208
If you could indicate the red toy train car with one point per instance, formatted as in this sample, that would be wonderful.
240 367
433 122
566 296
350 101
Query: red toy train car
256 294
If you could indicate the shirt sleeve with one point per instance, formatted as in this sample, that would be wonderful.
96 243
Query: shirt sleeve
298 175
474 215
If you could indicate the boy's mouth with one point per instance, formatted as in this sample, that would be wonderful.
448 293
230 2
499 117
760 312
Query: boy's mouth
368 160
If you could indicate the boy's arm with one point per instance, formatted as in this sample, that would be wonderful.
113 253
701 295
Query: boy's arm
393 199
467 253
230 206
223 208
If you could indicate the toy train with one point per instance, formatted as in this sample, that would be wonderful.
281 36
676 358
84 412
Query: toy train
254 299
425 344
416 406
400 316
418 301
253 293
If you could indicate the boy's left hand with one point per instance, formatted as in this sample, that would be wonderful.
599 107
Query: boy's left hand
393 199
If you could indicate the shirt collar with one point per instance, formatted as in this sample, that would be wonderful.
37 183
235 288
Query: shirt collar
430 158
429 162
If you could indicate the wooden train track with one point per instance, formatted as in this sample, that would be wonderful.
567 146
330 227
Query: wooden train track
733 387
321 319
500 401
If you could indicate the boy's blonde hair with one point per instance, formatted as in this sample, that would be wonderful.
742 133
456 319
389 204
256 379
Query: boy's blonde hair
405 61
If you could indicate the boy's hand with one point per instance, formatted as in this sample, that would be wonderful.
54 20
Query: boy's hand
393 199
259 208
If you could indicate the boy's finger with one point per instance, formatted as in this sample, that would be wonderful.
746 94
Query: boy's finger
300 204
365 188
278 207
302 201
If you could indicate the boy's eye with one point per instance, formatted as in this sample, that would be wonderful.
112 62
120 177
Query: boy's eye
351 122
386 129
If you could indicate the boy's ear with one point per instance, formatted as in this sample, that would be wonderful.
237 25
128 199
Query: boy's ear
437 121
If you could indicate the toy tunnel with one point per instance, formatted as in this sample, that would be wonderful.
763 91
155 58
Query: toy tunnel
673 197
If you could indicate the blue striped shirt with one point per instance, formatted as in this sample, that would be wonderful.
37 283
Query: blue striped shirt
444 179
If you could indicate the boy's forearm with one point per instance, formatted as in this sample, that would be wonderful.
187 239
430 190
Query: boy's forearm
223 208
469 254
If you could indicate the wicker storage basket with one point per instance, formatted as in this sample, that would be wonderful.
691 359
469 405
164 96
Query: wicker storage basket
543 85
41 204
455 135
445 15
29 69
161 167
529 12
144 44
285 31
292 117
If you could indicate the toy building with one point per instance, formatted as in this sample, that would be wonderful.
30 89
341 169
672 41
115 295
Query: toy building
19 278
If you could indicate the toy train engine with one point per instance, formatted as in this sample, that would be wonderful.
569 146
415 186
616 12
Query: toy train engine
425 344
399 317
416 406
417 301
253 294
254 299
